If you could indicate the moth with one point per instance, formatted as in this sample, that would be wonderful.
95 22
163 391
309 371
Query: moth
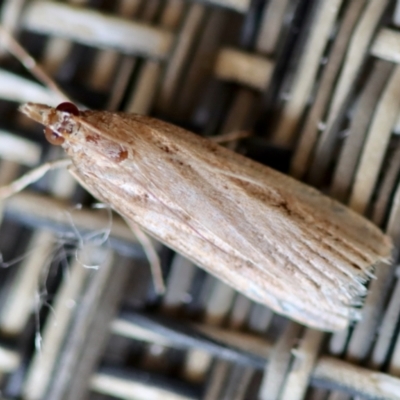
274 239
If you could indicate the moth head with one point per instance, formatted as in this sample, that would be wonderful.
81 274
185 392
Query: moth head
59 122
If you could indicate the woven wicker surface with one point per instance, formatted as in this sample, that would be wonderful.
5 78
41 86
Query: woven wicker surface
317 82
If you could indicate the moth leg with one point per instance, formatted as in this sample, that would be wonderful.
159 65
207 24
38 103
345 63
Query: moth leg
151 254
230 137
31 177
30 63
144 240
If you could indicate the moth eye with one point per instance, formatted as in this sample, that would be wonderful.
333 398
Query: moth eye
53 137
68 108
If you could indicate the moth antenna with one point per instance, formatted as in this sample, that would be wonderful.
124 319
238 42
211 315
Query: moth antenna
152 256
31 177
30 64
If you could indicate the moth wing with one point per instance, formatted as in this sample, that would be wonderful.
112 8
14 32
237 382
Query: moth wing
276 240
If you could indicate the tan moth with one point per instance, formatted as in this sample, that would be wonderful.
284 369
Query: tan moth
276 240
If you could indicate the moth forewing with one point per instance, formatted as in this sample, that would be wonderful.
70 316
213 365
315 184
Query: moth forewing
274 239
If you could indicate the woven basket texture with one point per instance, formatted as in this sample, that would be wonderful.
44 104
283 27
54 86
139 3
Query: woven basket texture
316 82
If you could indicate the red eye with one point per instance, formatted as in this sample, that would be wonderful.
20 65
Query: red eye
68 108
53 137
